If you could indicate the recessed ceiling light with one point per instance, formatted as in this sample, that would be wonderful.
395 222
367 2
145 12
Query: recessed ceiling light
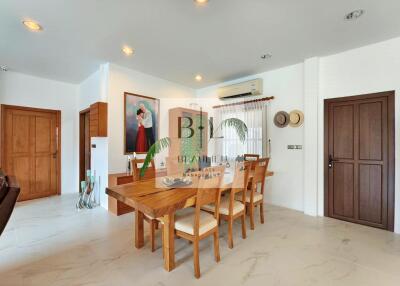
198 77
354 15
201 2
32 25
127 50
266 56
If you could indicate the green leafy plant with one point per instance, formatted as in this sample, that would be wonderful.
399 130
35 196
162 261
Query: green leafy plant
163 143
156 148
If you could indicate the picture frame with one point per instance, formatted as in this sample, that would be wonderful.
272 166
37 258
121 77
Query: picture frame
140 131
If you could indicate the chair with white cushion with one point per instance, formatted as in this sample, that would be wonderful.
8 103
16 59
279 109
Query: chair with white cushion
254 197
230 208
194 224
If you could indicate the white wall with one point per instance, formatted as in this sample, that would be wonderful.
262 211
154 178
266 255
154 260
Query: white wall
311 94
94 88
373 68
108 84
369 69
24 90
125 80
285 188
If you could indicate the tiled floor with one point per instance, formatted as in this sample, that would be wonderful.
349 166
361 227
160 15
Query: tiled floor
48 242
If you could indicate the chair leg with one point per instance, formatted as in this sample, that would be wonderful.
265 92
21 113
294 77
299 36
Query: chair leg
251 213
230 236
243 219
152 235
216 246
196 259
262 212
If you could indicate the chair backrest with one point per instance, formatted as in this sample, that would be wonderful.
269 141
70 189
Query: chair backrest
208 191
136 165
174 166
204 162
251 157
194 174
240 182
9 191
260 171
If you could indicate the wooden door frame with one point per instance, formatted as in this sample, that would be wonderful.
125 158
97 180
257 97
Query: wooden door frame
4 107
391 149
82 114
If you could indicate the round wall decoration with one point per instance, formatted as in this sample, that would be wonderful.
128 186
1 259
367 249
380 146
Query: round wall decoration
281 119
296 118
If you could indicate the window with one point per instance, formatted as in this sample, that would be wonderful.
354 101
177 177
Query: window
254 116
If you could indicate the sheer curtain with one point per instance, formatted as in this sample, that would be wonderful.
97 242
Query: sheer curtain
254 115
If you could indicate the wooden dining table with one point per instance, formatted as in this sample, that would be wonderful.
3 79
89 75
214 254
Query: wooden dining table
152 198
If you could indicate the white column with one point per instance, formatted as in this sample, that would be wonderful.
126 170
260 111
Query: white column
311 100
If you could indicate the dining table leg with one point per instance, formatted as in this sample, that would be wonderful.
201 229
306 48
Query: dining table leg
169 241
139 229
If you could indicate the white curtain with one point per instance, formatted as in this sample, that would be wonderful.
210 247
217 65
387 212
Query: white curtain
254 115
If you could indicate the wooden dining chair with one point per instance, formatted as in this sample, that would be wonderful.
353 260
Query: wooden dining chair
174 166
136 165
230 208
149 174
251 157
254 197
194 224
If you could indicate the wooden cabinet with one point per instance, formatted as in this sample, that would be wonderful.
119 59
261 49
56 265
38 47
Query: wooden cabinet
98 119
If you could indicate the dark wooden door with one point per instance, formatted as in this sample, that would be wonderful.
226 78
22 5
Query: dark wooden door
31 144
84 144
359 159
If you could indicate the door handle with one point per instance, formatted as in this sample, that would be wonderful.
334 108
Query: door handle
56 152
331 161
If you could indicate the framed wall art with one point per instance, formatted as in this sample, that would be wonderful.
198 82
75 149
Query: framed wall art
141 120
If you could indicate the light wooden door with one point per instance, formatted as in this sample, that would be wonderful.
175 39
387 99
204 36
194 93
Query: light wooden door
31 144
360 158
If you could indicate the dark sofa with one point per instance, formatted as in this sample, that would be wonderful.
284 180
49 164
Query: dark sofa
9 191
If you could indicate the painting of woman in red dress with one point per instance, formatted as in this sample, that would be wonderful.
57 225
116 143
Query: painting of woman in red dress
141 140
141 112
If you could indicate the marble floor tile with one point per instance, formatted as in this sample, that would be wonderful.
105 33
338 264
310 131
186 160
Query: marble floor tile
48 242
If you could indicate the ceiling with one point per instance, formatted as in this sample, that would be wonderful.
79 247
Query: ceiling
176 39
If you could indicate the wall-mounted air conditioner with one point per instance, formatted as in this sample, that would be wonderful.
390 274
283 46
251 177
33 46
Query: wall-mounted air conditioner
248 88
